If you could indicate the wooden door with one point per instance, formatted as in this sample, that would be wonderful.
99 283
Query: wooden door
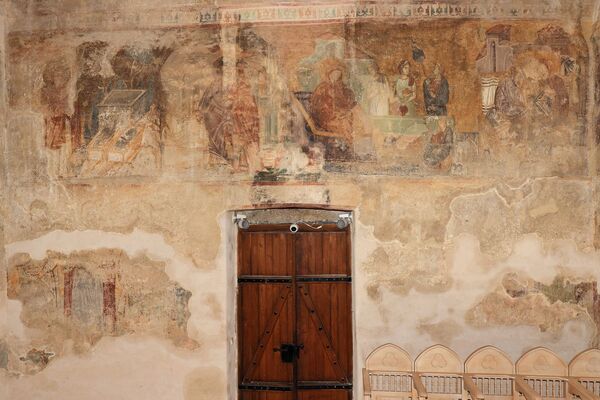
294 313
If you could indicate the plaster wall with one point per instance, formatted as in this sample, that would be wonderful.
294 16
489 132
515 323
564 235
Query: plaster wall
474 223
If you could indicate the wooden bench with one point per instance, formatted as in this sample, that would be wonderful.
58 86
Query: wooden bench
487 374
584 375
388 374
541 375
439 374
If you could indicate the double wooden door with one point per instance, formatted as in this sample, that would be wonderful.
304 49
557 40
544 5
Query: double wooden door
294 313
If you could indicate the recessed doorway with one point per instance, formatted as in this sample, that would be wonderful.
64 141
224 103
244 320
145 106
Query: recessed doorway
294 311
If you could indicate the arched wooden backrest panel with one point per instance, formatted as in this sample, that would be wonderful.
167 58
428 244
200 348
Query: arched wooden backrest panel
489 360
541 362
438 358
388 357
586 364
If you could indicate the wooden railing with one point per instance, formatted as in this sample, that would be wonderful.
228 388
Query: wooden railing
487 374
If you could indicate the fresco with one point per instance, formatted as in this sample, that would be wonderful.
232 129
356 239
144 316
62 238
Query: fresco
79 298
458 132
251 107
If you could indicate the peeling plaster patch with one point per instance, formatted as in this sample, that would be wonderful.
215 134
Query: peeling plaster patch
499 309
401 268
137 242
581 294
477 214
403 317
407 213
121 209
37 359
544 209
202 326
289 194
552 208
89 294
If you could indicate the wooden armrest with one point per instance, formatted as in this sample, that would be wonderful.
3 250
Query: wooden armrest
577 389
366 383
525 389
471 387
420 388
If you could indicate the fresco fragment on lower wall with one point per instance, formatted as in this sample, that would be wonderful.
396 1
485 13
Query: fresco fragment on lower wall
466 301
520 300
512 264
75 300
278 104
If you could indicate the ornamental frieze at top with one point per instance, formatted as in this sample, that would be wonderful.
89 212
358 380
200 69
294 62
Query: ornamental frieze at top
285 12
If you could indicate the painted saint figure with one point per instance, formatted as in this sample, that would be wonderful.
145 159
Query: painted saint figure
331 104
509 99
406 90
214 112
91 88
438 150
246 124
266 98
377 92
436 92
232 120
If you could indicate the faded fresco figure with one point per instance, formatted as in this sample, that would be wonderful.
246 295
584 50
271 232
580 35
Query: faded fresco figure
55 98
139 68
332 105
509 100
437 151
436 92
405 91
557 91
91 89
232 121
266 98
246 124
214 112
377 92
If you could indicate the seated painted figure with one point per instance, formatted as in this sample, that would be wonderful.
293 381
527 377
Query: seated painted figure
332 105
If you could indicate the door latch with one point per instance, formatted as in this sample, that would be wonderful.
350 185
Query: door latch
289 352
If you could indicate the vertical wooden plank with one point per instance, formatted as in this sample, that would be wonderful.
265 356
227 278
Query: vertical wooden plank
278 257
318 254
243 253
260 268
269 267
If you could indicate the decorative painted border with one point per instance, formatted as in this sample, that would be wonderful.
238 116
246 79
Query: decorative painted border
342 12
196 15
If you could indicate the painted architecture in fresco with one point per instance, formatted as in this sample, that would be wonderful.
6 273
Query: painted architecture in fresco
114 128
87 295
338 101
